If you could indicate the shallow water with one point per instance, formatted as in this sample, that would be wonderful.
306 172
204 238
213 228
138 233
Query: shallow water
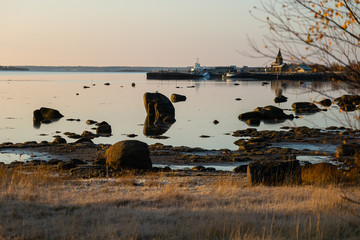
121 105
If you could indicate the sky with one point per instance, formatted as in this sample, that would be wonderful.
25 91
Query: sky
127 32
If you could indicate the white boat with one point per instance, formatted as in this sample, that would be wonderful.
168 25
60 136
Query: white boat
199 70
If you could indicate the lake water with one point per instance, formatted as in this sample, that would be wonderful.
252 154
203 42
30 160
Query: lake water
121 105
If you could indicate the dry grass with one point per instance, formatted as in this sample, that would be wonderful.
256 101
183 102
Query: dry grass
169 206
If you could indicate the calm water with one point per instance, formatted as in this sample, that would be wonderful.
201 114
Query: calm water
121 105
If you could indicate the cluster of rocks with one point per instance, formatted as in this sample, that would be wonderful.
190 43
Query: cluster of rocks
268 113
348 102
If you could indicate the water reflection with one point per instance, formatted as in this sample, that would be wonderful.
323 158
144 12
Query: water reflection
155 128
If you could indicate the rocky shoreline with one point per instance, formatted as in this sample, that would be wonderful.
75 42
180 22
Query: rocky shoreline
87 160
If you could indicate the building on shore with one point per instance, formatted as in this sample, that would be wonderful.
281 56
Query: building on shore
279 66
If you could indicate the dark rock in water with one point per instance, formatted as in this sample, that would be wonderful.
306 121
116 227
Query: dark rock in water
273 113
264 83
280 99
273 173
267 113
236 84
90 122
169 120
177 98
103 128
37 117
133 84
131 135
128 154
59 140
348 102
305 107
88 135
160 114
240 169
253 122
46 115
86 87
325 102
216 122
107 84
238 99
250 115
46 121
204 136
321 173
77 94
158 105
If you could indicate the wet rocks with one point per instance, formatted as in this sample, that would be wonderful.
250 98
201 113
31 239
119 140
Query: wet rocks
128 154
59 140
177 98
159 107
267 113
160 114
90 122
103 128
273 173
348 102
325 102
304 107
280 99
46 115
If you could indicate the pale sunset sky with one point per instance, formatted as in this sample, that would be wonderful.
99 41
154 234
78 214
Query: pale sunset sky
127 32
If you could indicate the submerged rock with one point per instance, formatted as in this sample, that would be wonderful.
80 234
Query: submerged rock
325 102
280 99
128 154
46 115
103 128
268 113
177 98
305 107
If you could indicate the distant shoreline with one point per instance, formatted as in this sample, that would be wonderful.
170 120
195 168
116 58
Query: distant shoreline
98 69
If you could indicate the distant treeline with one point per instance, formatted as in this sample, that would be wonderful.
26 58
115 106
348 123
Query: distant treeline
99 69
11 68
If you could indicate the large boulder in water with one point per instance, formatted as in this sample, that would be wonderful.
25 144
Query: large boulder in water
305 107
46 114
159 107
129 154
267 113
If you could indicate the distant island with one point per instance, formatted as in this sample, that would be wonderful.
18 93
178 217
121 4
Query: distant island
100 69
11 68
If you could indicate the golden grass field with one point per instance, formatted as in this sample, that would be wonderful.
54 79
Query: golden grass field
41 205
